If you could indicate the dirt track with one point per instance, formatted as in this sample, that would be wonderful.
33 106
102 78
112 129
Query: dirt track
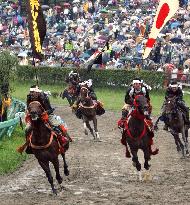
100 174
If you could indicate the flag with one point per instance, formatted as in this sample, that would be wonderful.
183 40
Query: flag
96 58
37 27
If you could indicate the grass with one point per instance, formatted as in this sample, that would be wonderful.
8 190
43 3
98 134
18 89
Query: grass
113 99
10 159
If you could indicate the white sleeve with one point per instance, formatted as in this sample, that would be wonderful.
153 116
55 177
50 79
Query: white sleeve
144 90
131 92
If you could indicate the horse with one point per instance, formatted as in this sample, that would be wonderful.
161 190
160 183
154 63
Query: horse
176 123
70 94
44 144
136 133
88 112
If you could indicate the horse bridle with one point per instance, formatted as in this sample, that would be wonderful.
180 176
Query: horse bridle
87 91
43 110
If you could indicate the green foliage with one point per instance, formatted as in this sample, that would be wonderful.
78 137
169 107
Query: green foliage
10 159
7 69
101 78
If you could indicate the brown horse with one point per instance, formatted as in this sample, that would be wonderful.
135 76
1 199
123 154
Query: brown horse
44 144
88 111
136 132
174 118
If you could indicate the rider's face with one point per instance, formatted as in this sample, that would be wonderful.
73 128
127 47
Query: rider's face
174 89
137 86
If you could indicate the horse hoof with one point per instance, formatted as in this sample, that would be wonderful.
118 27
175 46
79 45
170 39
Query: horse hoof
134 164
147 166
178 149
54 191
60 180
66 172
85 132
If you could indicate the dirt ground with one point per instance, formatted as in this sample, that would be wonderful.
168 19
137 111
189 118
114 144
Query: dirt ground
100 174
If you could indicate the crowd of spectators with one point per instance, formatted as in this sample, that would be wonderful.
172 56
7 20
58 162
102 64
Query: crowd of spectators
119 29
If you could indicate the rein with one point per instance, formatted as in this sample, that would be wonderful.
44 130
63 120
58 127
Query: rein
44 118
42 146
138 116
90 107
127 126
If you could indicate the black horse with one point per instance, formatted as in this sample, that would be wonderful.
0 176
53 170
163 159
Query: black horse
70 93
137 134
88 112
175 120
44 144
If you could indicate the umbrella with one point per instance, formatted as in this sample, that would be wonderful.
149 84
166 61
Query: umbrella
58 34
103 11
66 4
175 24
78 30
76 1
187 24
20 35
84 56
176 40
57 7
44 7
8 7
169 66
22 54
103 37
186 63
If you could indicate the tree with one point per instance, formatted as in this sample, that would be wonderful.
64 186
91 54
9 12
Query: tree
8 65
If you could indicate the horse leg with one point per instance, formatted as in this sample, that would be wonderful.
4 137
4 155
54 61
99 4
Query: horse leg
96 127
56 167
66 95
156 124
90 128
85 127
186 137
136 162
179 144
66 170
45 167
185 141
146 151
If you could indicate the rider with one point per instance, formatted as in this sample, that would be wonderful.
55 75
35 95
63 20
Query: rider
73 90
73 79
36 94
137 88
91 93
174 90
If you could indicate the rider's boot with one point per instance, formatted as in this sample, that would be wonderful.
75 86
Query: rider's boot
65 133
124 142
155 151
123 118
23 147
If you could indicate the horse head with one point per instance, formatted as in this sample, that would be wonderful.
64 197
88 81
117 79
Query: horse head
170 105
141 104
85 98
35 110
84 92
